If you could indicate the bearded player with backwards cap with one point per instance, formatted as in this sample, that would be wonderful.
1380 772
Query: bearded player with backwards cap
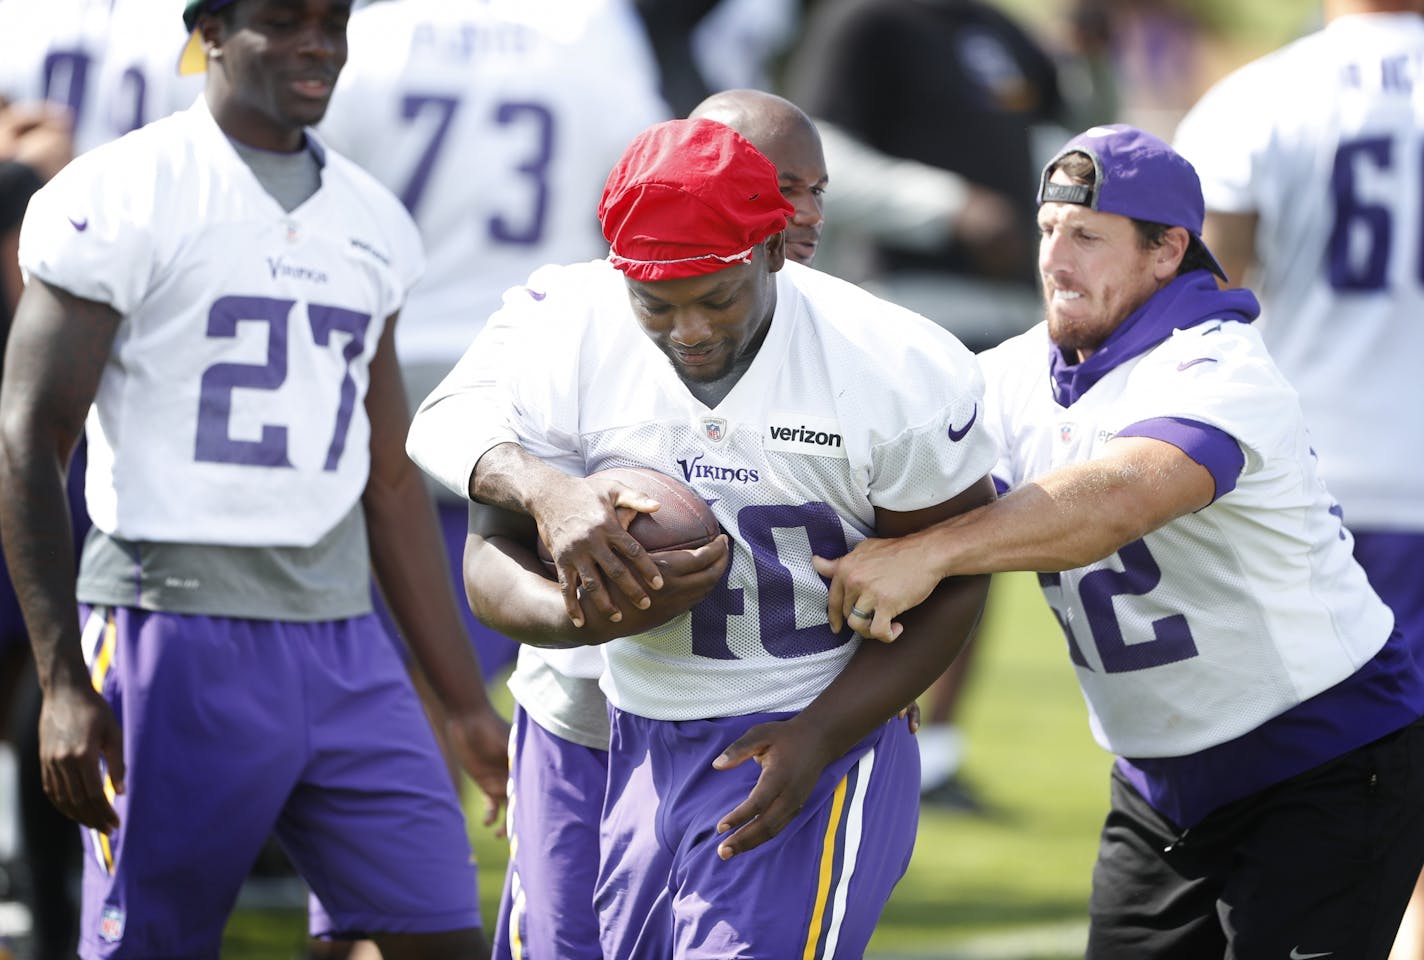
697 350
223 290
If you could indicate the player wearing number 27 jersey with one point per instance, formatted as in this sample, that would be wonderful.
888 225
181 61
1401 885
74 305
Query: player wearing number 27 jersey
248 333
216 290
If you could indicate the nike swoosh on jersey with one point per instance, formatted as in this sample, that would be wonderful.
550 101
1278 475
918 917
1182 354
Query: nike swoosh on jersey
1192 363
80 225
536 294
957 435
1295 954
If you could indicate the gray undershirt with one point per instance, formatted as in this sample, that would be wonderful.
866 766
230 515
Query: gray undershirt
572 708
291 178
330 580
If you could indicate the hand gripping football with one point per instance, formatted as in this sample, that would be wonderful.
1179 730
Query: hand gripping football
683 520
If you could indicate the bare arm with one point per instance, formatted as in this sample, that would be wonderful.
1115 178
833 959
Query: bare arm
1068 518
1231 237
876 684
11 281
510 592
409 562
56 354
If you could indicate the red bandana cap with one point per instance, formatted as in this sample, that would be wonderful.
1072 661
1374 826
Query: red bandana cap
689 197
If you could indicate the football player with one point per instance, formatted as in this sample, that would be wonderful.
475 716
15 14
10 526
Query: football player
808 414
1321 200
218 293
1262 703
559 755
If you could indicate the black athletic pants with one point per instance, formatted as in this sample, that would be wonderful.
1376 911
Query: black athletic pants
1320 865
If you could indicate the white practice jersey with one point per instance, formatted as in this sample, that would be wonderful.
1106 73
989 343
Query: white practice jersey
1324 140
113 63
232 407
496 123
850 404
1224 618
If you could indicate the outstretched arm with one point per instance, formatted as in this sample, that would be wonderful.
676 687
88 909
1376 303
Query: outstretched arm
876 684
58 347
1068 518
409 562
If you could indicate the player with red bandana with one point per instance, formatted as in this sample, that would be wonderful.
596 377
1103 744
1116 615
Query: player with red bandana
835 412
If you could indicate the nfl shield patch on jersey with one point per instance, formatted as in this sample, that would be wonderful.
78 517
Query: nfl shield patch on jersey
714 429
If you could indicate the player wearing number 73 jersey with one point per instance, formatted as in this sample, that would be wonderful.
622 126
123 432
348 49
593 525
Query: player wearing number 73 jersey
495 124
217 292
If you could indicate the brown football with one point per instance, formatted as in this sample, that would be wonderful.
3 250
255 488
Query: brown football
683 520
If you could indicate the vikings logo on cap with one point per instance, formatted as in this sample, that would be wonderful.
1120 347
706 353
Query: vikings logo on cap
689 197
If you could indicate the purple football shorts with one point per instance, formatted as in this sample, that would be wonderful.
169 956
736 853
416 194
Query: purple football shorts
494 650
814 891
556 792
234 729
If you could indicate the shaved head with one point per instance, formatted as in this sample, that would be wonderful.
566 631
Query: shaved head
756 115
788 138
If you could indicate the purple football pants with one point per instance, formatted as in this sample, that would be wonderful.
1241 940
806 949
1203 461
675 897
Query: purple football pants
556 792
815 890
236 728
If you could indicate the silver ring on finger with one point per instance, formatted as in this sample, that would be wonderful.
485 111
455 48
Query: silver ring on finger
863 614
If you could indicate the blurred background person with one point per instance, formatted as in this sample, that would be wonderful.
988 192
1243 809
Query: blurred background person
930 112
496 124
75 74
706 46
41 856
1312 167
955 85
112 64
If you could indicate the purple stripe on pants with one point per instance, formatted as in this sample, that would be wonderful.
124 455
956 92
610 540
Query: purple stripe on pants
662 890
556 796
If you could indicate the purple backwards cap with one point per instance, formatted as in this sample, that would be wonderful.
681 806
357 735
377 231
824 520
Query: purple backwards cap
1137 176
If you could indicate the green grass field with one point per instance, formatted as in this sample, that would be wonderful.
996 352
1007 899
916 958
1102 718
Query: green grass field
1012 886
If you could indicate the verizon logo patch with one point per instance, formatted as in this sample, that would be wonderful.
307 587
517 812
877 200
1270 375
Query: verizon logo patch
810 436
